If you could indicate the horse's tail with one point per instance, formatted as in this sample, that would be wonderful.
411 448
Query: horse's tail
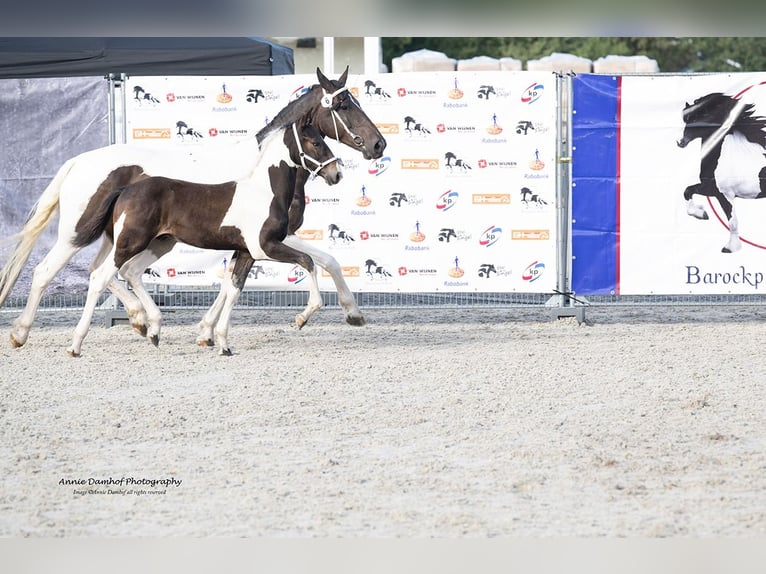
38 219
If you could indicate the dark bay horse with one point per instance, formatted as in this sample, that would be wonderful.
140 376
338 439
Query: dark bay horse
82 183
732 163
146 218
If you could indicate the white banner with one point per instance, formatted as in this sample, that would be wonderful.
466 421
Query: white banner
662 247
464 199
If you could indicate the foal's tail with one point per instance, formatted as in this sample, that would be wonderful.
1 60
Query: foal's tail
38 219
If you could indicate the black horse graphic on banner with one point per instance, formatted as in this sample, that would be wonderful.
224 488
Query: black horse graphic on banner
732 163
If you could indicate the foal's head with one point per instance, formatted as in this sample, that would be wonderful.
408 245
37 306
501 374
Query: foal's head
309 150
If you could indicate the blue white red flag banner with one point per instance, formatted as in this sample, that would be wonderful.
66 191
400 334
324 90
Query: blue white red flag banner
666 176
463 200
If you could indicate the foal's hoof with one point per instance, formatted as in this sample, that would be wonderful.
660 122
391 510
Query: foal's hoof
72 354
356 320
15 342
300 321
155 340
205 342
140 328
225 352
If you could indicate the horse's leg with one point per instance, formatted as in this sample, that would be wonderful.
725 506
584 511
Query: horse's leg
239 266
734 244
231 288
692 208
44 272
328 263
99 279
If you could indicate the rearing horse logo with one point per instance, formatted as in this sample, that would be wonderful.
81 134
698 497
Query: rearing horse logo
732 162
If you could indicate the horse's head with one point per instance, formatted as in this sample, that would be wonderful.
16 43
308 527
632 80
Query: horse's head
706 115
340 117
308 149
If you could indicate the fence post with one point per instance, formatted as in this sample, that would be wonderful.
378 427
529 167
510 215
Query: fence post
563 303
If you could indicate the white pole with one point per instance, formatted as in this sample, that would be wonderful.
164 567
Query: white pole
329 56
372 55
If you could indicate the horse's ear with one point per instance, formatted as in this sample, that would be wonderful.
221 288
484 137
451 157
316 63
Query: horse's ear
324 81
343 76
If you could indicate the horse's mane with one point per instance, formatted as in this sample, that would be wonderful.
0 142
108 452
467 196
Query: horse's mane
751 126
716 107
300 109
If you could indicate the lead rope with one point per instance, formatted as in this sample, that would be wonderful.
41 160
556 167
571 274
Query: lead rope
327 103
305 157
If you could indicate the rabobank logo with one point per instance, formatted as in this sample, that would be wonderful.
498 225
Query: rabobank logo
296 275
533 272
447 200
298 93
490 236
533 93
378 166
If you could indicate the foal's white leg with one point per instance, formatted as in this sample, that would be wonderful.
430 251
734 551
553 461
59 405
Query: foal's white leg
133 306
314 303
132 271
229 295
99 279
328 263
211 317
44 272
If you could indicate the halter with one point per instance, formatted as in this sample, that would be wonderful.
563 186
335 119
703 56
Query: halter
304 157
327 103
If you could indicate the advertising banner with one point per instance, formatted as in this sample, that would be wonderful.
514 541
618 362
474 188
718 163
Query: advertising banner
463 200
666 175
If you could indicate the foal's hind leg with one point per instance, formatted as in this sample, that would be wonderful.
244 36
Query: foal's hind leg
133 307
133 270
237 270
45 271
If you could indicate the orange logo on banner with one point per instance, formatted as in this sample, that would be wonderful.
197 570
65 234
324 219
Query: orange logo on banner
151 133
388 129
310 234
531 234
420 164
491 198
348 271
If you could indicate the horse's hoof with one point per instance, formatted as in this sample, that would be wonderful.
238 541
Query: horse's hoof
226 352
300 321
72 354
356 320
205 342
725 250
705 216
15 342
155 340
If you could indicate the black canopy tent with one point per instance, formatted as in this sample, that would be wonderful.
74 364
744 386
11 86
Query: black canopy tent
174 56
